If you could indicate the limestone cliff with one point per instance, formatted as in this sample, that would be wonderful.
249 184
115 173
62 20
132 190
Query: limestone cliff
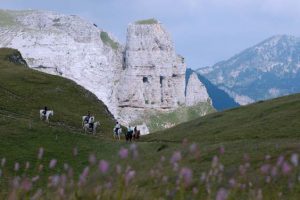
196 92
143 76
154 76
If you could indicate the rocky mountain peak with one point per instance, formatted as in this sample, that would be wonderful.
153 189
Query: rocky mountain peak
266 70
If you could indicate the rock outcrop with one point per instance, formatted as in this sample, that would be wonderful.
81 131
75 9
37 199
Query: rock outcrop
195 91
144 75
154 76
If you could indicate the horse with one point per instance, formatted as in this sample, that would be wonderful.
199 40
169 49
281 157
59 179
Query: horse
136 135
118 134
84 121
128 136
93 130
47 115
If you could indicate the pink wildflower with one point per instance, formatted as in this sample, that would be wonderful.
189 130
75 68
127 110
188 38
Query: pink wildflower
92 159
265 168
232 182
295 159
3 161
286 168
187 175
222 150
36 178
215 161
222 194
193 148
75 151
66 167
123 153
176 157
26 184
118 169
17 166
274 171
267 157
195 191
129 176
55 180
27 165
52 163
83 176
103 166
41 167
280 160
41 153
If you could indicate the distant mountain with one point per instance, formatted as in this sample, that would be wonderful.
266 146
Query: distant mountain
220 99
267 70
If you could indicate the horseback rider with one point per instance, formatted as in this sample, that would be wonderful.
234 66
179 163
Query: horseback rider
87 118
45 111
91 122
134 131
117 128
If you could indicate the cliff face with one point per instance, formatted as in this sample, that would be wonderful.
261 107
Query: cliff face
67 46
196 92
145 75
154 76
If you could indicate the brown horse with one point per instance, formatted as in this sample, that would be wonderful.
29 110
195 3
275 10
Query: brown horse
136 134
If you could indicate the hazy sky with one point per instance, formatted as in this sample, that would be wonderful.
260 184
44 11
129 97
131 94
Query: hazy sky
204 31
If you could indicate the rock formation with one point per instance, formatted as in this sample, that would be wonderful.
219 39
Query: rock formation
195 91
145 75
154 76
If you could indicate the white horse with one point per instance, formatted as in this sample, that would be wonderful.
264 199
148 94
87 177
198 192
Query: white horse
84 121
93 130
47 115
117 135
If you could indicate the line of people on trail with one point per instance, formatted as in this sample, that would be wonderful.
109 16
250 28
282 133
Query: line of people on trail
132 133
89 124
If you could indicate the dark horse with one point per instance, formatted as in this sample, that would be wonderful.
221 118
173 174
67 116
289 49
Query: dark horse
136 134
128 136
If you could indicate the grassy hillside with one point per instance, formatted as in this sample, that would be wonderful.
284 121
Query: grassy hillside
23 92
157 121
171 164
270 127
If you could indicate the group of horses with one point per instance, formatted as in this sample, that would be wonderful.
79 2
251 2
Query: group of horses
129 136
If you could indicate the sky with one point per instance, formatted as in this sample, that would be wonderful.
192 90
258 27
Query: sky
204 31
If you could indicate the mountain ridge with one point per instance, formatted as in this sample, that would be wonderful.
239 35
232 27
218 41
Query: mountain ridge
266 70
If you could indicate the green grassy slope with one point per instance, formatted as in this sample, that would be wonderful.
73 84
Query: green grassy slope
23 92
270 127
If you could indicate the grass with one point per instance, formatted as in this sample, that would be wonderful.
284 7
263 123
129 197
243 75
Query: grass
265 128
158 121
147 21
108 41
23 92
